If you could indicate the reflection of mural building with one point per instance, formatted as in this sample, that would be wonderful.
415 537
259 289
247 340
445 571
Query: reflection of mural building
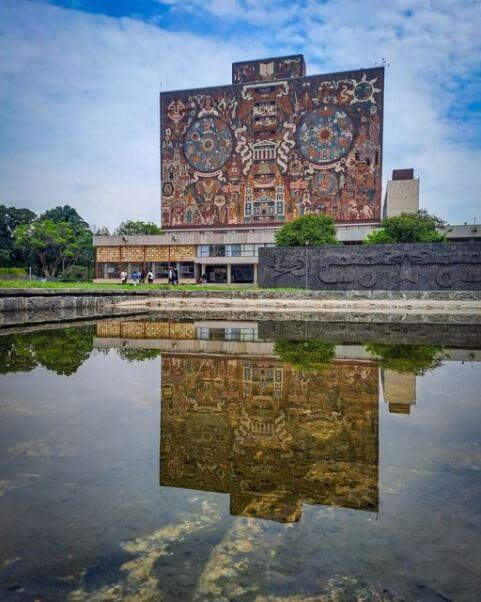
270 435
274 145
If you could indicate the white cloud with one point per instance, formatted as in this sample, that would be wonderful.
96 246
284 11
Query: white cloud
79 107
79 92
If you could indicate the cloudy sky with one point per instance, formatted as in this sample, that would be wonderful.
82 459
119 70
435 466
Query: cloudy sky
79 84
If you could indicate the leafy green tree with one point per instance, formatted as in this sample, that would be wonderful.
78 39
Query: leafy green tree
131 227
102 231
309 230
10 219
70 216
52 243
65 214
306 355
413 359
408 227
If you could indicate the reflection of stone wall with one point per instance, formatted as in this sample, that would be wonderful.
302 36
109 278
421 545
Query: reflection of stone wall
436 267
270 435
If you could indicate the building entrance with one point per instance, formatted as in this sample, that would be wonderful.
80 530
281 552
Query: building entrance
216 273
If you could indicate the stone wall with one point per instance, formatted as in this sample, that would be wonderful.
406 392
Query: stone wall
400 267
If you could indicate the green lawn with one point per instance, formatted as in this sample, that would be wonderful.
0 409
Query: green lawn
116 286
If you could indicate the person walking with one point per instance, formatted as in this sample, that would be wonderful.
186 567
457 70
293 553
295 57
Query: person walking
150 277
175 276
171 275
143 275
135 277
123 277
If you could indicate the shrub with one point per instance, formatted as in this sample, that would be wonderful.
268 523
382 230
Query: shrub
408 227
413 359
309 230
306 355
77 273
12 273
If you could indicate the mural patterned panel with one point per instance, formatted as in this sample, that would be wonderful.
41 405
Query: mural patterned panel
262 152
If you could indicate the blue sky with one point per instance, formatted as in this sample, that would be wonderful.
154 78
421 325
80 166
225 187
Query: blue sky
79 83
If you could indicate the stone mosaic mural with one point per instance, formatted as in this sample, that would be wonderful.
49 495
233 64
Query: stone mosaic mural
271 435
273 146
411 267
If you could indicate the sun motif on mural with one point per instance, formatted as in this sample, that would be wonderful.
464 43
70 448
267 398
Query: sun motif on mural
208 144
325 135
364 90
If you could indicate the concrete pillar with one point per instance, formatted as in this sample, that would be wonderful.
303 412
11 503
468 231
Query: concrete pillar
255 273
229 273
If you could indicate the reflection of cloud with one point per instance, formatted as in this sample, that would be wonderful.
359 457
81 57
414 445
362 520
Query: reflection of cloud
139 580
41 448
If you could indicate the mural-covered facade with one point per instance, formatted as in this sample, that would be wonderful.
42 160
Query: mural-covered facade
270 435
274 145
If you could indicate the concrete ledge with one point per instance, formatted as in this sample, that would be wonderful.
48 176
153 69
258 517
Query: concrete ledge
243 294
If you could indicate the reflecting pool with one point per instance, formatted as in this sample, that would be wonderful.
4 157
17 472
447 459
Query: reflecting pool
147 458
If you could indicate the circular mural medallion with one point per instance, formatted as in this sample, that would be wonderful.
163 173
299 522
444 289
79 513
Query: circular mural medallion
363 91
325 135
167 189
208 144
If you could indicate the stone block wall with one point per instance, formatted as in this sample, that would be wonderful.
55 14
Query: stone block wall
398 267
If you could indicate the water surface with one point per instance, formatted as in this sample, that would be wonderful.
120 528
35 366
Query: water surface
147 459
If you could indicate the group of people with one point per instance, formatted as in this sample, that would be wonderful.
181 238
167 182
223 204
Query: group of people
144 275
137 277
173 276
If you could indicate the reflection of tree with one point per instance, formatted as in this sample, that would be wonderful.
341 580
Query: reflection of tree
62 351
138 355
16 354
414 359
305 355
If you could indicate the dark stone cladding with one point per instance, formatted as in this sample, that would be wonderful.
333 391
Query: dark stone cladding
447 267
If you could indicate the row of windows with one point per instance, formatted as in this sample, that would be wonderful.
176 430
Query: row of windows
232 250
270 209
160 269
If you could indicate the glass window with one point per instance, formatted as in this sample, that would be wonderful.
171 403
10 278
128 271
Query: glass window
186 269
234 250
162 269
242 273
216 250
204 251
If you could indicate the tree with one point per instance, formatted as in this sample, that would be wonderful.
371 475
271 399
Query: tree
65 214
101 231
309 230
52 243
131 227
10 218
70 216
408 227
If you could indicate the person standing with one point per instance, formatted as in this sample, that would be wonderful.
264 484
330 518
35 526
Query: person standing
175 276
150 277
123 277
142 276
135 277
